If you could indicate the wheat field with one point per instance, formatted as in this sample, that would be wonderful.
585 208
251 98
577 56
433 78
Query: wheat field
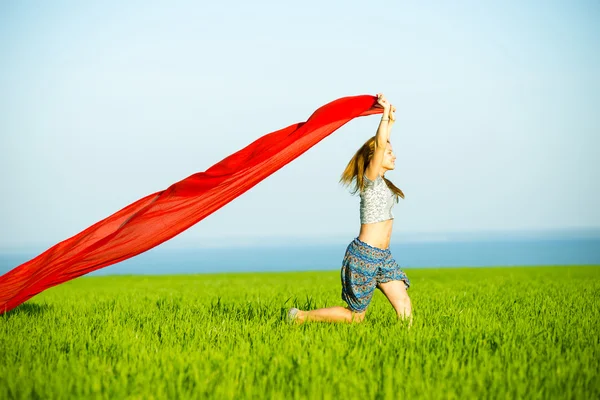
514 332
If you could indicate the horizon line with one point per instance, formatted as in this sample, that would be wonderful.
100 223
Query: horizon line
245 240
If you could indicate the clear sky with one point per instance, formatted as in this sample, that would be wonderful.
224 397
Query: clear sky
102 103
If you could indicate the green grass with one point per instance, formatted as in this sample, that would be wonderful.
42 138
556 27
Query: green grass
477 333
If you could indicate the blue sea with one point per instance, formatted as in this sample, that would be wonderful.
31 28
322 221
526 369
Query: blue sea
317 257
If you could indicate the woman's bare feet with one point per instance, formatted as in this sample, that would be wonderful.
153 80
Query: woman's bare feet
292 315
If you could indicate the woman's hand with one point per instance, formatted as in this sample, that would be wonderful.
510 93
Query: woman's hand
388 109
392 114
382 101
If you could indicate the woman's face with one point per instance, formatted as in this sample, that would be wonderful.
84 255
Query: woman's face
389 158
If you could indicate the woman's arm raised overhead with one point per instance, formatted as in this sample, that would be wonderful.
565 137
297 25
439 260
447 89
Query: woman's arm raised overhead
382 137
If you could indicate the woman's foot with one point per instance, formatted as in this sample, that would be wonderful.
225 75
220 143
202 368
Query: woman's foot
292 315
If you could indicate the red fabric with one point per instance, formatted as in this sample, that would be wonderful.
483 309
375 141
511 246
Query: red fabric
158 217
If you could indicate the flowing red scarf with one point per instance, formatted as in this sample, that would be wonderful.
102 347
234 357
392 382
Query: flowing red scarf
158 217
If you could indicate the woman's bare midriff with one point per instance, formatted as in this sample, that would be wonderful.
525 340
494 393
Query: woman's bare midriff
377 234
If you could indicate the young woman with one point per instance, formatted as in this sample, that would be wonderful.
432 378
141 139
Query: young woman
368 263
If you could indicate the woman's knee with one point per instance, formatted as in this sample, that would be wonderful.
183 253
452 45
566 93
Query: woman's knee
357 317
403 307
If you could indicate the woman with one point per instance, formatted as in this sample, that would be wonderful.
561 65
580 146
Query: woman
368 263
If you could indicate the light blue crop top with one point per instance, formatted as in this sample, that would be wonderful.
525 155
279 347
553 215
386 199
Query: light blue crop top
376 201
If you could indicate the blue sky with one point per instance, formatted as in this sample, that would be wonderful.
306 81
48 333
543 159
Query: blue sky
104 103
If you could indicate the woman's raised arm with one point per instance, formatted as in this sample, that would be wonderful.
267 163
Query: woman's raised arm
382 137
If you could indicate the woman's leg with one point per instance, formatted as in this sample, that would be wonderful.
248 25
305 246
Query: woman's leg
330 314
393 282
395 291
358 284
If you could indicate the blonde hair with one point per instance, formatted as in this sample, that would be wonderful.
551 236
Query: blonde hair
355 170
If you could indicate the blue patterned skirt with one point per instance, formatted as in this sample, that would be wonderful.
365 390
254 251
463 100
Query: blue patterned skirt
364 267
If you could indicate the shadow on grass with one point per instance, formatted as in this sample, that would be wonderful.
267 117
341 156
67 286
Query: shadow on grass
28 309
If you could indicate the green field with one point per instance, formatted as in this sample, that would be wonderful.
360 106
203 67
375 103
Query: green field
477 333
